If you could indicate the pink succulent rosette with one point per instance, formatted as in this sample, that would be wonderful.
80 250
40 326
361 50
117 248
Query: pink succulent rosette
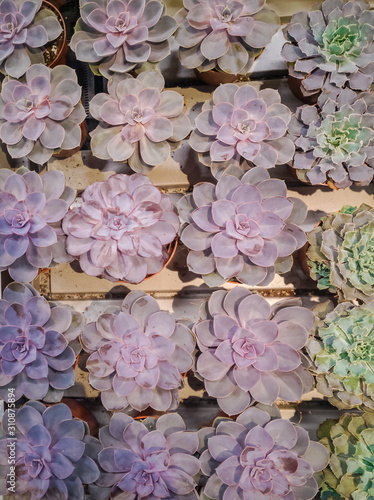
259 456
139 121
250 351
240 123
116 36
245 228
226 36
138 355
121 229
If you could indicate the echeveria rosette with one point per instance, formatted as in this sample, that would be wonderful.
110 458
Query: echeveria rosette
25 29
139 121
252 352
138 355
151 459
241 124
350 441
55 455
226 36
117 36
335 140
259 456
244 228
121 229
341 253
332 46
342 353
38 345
31 209
42 114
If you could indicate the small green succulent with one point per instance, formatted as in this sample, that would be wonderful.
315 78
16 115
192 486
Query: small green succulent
342 354
350 474
341 253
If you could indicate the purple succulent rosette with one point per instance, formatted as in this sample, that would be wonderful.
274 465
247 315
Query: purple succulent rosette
226 36
121 229
335 140
331 46
41 115
138 355
259 456
150 462
251 351
55 455
245 228
31 209
38 345
25 29
240 123
139 121
117 36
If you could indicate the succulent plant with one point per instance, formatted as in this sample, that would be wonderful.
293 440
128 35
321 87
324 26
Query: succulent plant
117 36
226 36
138 121
138 355
38 345
55 455
331 46
239 123
259 456
121 229
31 209
341 253
335 139
350 441
250 351
147 461
25 28
42 114
342 353
244 228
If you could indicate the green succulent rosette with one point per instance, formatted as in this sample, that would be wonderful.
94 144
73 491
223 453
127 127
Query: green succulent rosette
350 441
341 350
341 253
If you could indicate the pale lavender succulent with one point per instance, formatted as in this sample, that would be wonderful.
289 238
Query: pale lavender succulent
240 123
226 36
335 140
332 46
245 228
31 209
250 351
150 462
121 229
38 345
138 355
259 457
41 115
116 36
55 455
25 29
139 121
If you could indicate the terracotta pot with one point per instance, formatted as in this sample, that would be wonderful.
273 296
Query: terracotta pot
328 183
66 153
52 60
79 410
303 259
148 412
295 86
215 78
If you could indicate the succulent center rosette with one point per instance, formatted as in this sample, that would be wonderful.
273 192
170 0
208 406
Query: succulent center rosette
331 46
250 352
138 355
121 229
259 456
55 456
117 36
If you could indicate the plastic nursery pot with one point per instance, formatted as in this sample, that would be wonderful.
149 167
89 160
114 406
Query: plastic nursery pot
65 153
295 87
328 183
214 78
55 52
80 411
304 259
